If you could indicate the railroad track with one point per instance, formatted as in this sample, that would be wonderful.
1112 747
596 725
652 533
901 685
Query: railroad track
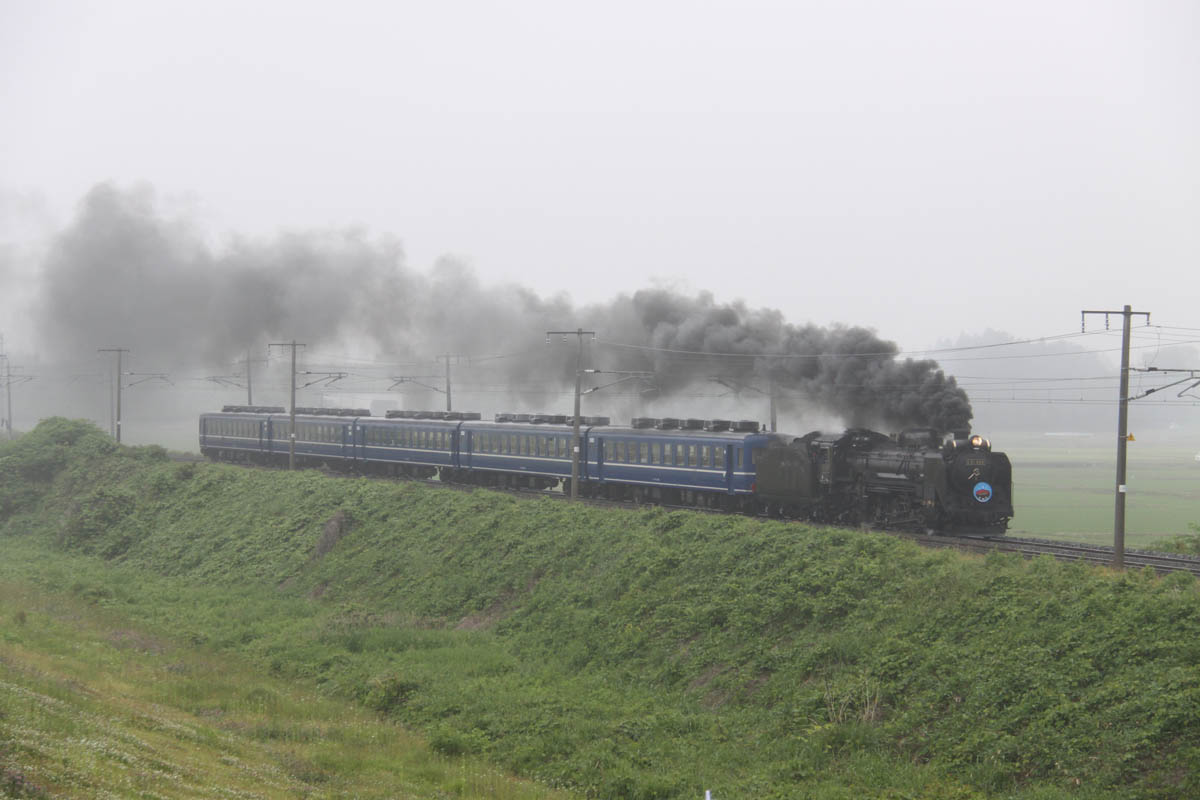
1100 555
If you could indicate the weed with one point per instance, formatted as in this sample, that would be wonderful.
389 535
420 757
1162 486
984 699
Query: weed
627 654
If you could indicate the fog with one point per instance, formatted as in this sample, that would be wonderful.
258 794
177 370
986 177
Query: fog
388 183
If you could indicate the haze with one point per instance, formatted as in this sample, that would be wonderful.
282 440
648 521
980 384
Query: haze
923 170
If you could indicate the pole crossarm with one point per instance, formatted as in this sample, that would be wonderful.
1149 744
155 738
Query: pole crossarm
1107 314
416 379
629 375
564 334
226 380
735 385
147 376
326 378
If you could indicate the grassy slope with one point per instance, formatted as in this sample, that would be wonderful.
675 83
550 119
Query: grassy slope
638 654
90 707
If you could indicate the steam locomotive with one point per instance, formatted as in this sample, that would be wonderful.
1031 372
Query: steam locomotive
917 480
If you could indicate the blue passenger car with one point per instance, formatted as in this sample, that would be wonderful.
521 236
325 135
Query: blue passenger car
691 466
319 439
407 445
243 436
534 455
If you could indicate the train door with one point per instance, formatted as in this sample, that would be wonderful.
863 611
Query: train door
583 451
596 445
460 456
358 441
729 485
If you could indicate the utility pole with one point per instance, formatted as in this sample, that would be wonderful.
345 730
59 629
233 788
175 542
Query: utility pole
1122 425
292 417
8 391
737 386
249 383
575 448
7 386
446 358
118 351
9 380
771 392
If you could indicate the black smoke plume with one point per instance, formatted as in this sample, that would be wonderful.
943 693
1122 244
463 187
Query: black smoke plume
124 273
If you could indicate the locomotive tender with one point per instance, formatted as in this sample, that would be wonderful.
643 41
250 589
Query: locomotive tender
915 481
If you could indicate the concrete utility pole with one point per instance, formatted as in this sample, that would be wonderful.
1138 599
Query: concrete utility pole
9 381
446 358
292 416
7 386
118 351
771 392
8 391
417 379
738 386
575 447
1122 425
249 382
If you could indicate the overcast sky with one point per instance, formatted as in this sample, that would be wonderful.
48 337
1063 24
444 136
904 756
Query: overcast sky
920 168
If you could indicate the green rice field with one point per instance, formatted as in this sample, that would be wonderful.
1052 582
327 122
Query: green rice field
1064 487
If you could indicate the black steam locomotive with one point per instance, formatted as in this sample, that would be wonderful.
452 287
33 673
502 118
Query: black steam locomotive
915 481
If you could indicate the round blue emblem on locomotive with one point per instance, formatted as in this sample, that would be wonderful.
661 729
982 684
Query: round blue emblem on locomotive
983 491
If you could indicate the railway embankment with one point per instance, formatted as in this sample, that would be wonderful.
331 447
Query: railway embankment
633 653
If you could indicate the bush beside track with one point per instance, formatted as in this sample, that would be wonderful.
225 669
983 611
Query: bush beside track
642 654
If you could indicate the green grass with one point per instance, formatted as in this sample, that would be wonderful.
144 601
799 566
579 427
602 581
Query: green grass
90 707
627 654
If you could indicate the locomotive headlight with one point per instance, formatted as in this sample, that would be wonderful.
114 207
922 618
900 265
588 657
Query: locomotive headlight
976 441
